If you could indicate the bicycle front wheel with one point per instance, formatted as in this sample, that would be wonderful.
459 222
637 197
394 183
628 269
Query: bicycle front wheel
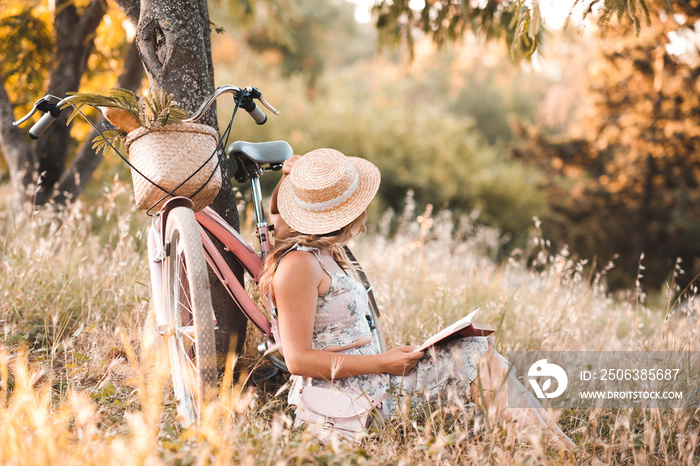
190 334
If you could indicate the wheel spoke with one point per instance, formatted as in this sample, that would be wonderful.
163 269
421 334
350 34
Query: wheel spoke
188 360
184 288
188 338
188 331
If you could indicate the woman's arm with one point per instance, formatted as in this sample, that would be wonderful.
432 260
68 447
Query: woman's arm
274 210
297 283
280 226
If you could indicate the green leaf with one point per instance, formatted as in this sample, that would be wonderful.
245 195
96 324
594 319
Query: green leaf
76 112
106 390
115 137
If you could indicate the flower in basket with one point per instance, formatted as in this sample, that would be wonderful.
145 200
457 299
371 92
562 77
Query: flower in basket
126 112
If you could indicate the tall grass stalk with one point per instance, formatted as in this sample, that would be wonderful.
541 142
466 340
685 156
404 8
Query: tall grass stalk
83 380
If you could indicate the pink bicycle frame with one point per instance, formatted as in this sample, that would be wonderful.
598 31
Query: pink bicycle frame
210 221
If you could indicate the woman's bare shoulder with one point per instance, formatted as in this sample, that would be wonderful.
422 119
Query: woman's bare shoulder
299 263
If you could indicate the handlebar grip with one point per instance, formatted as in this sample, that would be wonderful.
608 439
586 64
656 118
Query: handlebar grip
40 126
255 112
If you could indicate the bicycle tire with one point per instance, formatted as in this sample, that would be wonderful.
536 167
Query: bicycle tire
190 335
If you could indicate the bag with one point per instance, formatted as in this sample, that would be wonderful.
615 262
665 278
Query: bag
333 411
171 155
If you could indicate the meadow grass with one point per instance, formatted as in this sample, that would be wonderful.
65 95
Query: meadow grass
82 380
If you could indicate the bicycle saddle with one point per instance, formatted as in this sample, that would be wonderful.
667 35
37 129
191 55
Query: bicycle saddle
273 152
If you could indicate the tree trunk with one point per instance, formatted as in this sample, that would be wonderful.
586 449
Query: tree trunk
19 155
43 162
74 179
644 214
74 42
173 38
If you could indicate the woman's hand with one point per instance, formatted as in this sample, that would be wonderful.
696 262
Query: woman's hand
289 163
280 226
401 360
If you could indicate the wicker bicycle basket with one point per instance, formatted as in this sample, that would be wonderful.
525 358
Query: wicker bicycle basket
167 156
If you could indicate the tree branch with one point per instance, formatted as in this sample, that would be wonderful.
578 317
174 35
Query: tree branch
91 18
130 8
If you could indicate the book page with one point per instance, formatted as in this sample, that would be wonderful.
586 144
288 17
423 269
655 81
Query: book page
460 324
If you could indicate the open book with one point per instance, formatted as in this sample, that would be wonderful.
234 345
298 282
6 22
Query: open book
464 327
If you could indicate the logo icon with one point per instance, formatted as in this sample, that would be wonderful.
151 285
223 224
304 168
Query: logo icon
542 368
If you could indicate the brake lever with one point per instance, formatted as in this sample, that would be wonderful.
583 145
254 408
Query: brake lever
25 117
256 94
268 106
44 105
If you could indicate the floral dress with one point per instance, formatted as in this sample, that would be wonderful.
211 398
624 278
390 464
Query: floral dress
340 320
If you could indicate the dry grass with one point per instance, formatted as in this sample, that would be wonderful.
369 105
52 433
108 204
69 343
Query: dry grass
80 381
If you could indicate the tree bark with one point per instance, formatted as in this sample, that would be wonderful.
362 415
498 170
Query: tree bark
173 38
74 179
19 154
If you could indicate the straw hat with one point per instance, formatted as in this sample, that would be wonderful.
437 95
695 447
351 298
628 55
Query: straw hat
326 191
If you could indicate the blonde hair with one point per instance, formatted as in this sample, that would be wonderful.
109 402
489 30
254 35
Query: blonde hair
333 242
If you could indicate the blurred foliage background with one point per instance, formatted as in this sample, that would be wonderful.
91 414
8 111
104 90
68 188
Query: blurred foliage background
436 125
597 138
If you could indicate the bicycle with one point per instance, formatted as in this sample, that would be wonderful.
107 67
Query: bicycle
180 248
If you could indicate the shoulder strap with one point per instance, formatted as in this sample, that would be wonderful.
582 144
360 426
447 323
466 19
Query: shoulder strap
299 247
296 247
317 254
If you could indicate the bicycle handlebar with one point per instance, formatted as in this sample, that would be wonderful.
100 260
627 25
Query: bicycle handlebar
247 95
50 106
40 126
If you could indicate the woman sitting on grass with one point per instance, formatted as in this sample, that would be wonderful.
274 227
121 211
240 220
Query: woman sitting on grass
321 308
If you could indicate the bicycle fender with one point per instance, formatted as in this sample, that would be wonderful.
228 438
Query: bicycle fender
178 201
